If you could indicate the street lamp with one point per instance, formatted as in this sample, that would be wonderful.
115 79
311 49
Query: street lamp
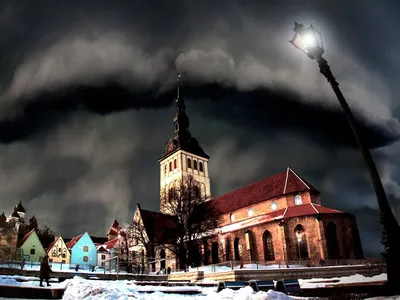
299 236
309 40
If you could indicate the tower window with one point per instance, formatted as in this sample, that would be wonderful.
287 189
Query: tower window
195 164
176 126
201 167
165 169
189 163
170 166
174 163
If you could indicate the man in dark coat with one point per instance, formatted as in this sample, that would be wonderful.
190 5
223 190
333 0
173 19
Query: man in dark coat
44 270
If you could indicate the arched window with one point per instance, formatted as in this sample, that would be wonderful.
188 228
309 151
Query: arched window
232 218
162 257
301 241
195 164
165 169
189 163
170 166
228 249
250 244
332 240
214 253
298 200
175 164
201 167
269 253
236 246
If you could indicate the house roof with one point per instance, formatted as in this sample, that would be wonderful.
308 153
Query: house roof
111 244
278 185
73 241
114 228
101 248
160 225
52 244
27 236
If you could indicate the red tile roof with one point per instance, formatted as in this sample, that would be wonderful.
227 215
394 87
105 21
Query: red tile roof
52 244
73 241
111 244
27 236
308 209
278 185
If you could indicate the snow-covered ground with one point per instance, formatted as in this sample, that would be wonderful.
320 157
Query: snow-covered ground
79 288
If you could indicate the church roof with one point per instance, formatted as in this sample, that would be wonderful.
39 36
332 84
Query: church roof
15 213
20 208
3 218
160 225
278 185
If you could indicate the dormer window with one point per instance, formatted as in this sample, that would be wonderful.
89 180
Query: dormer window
201 167
195 164
232 217
250 212
298 200
189 163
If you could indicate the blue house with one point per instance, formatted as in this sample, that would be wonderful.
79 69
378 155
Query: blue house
83 250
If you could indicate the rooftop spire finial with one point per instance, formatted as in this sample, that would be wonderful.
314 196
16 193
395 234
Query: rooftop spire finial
178 76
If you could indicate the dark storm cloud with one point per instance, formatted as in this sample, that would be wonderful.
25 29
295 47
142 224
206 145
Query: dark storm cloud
76 76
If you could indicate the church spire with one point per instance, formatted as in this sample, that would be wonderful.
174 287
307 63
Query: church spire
181 120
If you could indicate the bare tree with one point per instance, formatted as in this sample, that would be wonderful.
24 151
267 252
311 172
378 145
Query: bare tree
147 232
196 219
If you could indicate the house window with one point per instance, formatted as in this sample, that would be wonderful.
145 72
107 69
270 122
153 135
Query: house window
175 166
102 264
59 249
54 252
103 256
165 169
50 260
201 167
85 259
85 249
63 261
189 163
170 166
63 255
32 251
195 164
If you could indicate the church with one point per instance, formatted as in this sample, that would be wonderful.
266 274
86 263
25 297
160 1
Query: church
278 220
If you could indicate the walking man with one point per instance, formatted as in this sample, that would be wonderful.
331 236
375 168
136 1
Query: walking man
45 270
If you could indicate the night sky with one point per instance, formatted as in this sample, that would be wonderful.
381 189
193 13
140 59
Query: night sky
87 87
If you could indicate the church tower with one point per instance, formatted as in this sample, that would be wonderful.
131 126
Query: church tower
183 155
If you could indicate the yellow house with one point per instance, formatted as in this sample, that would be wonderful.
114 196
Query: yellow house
58 251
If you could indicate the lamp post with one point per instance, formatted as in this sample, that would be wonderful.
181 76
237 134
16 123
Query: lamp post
309 40
299 236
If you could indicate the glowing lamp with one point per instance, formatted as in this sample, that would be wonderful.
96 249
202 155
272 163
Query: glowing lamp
308 40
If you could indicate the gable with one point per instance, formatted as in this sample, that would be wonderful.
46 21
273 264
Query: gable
85 240
278 185
32 239
58 243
